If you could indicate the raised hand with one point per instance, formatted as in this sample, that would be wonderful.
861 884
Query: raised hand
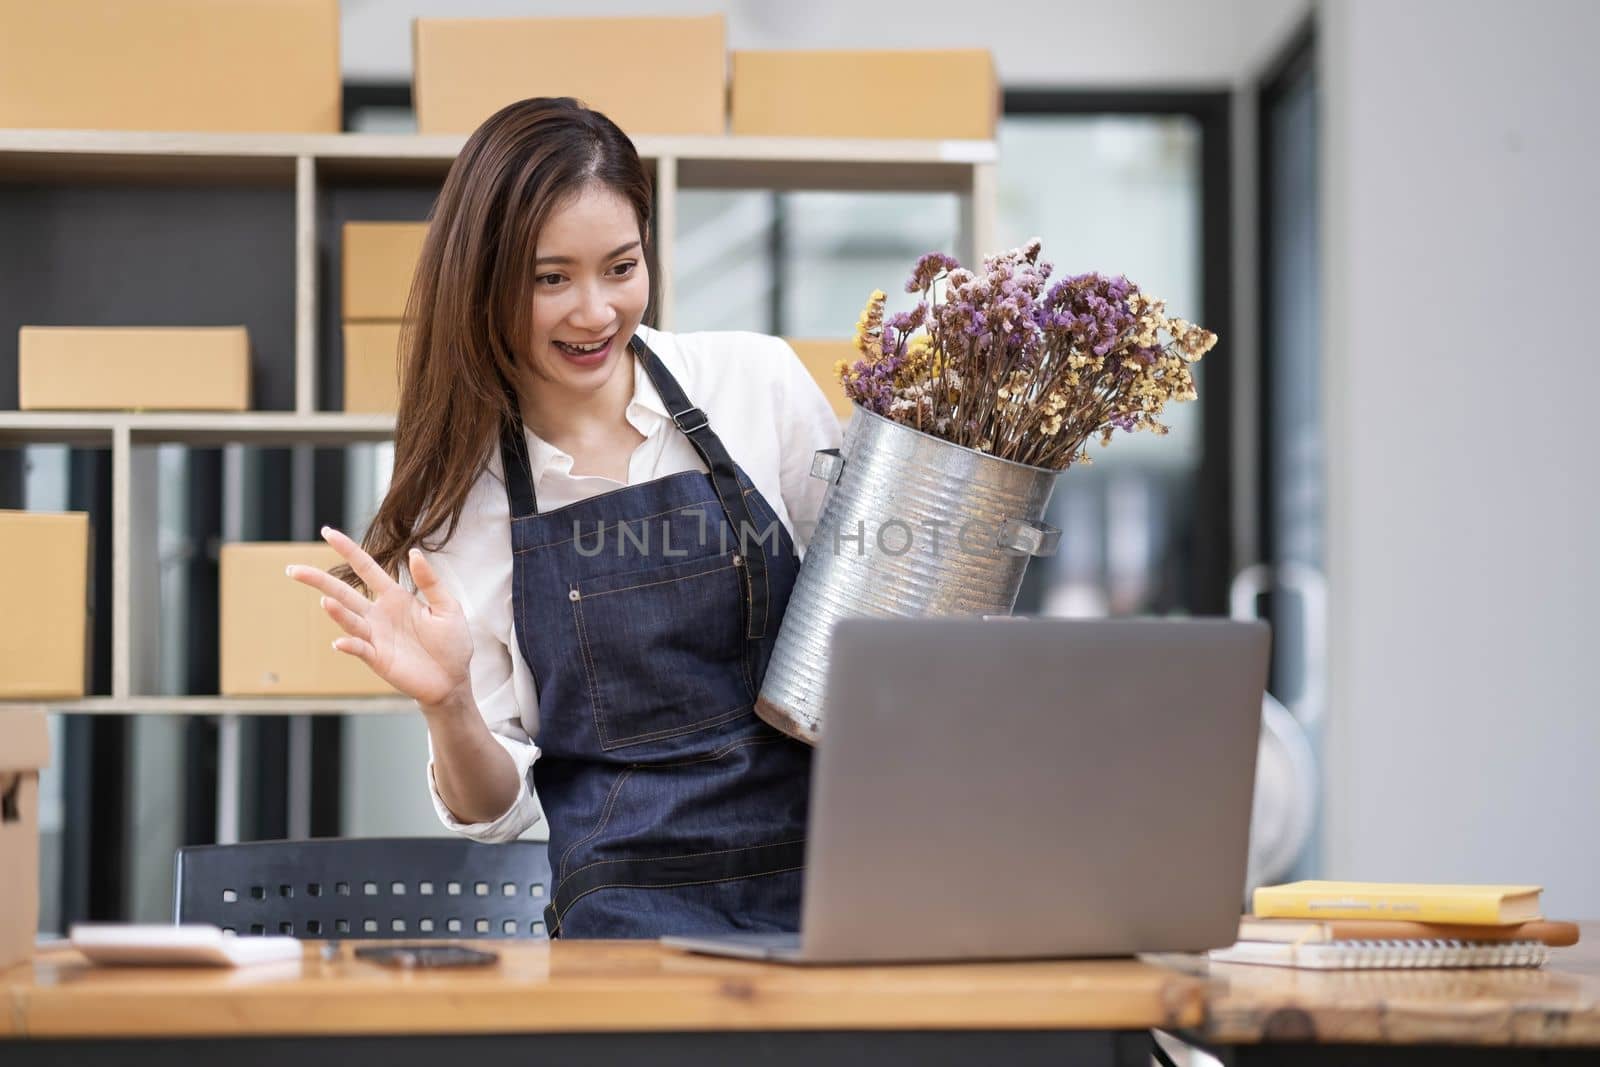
422 648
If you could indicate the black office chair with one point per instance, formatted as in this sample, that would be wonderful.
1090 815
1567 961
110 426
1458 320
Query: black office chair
379 887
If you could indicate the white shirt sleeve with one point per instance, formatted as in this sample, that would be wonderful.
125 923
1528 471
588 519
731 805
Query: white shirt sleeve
500 690
808 424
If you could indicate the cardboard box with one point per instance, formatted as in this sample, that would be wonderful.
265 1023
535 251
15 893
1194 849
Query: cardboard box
44 634
648 75
932 95
276 639
245 66
820 358
24 749
379 260
88 368
371 367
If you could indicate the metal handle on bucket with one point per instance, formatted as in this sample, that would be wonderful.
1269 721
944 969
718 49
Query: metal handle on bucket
1028 538
828 465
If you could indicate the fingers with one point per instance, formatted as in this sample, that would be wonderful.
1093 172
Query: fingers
365 566
354 646
329 586
348 621
428 583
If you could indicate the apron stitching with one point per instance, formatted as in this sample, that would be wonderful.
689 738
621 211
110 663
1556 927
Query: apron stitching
721 752
637 518
608 742
766 591
749 675
750 646
748 656
588 668
605 819
766 586
664 581
749 591
616 789
660 735
560 915
680 856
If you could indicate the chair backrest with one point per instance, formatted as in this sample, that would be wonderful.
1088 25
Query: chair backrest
380 887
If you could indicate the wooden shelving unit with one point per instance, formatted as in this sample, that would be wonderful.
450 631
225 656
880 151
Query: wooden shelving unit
304 169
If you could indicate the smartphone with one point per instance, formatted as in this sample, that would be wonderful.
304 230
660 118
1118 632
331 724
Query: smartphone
445 955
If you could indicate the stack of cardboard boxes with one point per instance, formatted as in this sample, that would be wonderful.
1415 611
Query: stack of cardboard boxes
675 80
246 67
272 66
265 66
379 260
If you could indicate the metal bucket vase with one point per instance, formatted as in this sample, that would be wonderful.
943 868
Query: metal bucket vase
912 526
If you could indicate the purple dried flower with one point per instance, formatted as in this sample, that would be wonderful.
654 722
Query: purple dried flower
928 268
909 321
1090 311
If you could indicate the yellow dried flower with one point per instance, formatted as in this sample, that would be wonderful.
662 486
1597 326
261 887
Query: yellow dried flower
869 327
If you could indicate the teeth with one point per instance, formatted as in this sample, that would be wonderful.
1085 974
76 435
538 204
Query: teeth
584 348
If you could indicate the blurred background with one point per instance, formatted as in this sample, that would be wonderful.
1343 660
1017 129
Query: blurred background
1385 210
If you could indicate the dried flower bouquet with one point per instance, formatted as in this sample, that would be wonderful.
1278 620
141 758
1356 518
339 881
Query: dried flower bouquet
1003 364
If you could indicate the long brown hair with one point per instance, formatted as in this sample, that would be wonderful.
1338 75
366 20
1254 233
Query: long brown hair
469 315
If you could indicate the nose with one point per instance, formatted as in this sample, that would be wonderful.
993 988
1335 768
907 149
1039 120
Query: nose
593 312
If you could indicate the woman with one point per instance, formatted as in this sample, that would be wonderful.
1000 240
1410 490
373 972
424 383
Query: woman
599 519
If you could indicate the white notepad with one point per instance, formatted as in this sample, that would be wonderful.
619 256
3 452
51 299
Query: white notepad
1386 954
192 944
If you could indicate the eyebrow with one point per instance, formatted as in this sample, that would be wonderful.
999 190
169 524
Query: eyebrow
614 253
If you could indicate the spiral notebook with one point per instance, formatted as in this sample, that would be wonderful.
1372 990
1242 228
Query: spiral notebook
1386 954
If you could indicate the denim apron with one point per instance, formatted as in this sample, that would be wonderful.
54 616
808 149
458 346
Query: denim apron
647 621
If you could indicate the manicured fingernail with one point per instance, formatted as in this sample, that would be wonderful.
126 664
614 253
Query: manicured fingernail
322 601
289 570
325 530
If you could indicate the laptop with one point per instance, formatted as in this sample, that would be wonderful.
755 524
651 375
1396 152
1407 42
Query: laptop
1026 788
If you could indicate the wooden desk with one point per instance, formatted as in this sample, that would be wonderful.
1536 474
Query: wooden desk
1272 1015
593 1002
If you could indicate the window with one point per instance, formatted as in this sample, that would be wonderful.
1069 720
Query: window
1133 185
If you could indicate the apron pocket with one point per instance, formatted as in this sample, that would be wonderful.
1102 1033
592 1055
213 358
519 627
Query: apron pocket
663 649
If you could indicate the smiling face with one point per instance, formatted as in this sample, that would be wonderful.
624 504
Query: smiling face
589 294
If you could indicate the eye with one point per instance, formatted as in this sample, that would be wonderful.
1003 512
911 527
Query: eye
550 279
622 270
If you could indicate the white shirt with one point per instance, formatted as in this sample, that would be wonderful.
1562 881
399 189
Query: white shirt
771 416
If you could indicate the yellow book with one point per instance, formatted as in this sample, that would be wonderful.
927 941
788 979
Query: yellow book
1469 905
